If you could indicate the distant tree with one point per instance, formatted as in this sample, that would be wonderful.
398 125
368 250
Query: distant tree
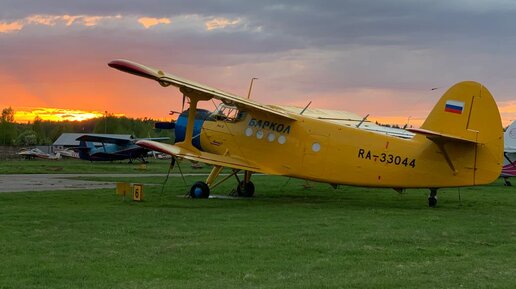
7 128
46 132
27 138
37 128
8 115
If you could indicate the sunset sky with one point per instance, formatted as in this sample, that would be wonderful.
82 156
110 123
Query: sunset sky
381 58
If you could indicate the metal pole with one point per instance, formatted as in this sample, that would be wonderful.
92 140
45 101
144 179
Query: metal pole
251 87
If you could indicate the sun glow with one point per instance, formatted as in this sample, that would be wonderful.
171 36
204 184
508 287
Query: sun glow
56 114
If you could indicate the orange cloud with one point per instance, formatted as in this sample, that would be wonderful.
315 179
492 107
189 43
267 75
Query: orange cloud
52 20
47 20
148 22
220 22
10 27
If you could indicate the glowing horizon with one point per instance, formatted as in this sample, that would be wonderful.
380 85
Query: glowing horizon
24 115
28 115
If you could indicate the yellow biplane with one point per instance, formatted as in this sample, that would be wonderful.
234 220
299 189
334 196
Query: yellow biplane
459 144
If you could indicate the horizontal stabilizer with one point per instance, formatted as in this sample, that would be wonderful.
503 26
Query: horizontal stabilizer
436 136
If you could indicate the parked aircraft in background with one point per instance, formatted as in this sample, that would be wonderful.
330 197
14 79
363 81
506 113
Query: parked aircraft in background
116 147
509 164
459 144
68 153
32 153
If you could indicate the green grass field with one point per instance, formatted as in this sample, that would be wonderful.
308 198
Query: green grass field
287 236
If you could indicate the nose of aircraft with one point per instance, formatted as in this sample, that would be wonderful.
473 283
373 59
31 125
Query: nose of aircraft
180 126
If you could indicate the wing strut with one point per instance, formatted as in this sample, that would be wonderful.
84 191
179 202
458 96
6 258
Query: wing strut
192 112
447 157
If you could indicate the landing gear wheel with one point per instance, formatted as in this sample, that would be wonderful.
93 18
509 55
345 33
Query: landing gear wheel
200 190
432 202
245 190
432 198
507 183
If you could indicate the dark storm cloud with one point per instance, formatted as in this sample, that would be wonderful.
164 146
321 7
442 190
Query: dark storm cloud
314 23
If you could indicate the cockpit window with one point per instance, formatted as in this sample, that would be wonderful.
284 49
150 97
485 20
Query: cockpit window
227 113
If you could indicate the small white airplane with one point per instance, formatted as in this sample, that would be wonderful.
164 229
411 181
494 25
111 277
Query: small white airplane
509 152
33 153
68 153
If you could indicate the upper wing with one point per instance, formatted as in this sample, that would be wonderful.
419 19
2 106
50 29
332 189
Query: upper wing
166 79
199 156
104 139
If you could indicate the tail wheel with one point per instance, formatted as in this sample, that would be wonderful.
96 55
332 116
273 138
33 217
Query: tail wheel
200 190
432 202
245 189
432 198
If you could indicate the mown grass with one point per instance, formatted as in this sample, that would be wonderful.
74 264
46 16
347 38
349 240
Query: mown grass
286 237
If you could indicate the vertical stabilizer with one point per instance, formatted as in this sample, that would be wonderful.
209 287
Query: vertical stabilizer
84 149
468 116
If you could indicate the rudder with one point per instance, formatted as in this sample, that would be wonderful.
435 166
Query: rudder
84 149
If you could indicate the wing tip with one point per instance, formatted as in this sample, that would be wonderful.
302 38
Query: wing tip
133 68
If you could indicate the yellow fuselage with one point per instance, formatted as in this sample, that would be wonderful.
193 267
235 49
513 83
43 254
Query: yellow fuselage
333 153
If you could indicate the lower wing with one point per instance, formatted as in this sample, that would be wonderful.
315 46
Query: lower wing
198 156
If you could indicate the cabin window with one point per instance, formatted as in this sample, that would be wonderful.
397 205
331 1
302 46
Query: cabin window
227 113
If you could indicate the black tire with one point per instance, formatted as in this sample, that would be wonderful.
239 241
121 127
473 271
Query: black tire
245 190
200 190
432 202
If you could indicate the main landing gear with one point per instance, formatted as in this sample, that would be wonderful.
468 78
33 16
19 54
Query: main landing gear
201 190
432 198
506 182
245 190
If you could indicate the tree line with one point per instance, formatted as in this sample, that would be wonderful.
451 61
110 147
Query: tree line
45 132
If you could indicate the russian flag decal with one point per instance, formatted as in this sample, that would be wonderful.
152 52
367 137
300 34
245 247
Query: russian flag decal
454 106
